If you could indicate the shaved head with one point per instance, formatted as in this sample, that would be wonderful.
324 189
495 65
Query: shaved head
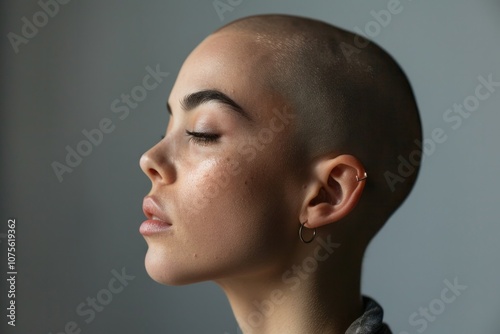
274 122
348 101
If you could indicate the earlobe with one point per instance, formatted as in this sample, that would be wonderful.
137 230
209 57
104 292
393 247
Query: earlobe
335 189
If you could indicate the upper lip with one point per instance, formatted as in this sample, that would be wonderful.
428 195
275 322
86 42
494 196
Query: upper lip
152 210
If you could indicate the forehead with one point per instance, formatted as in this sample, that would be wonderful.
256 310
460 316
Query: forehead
236 64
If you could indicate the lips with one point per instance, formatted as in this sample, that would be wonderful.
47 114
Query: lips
157 220
153 212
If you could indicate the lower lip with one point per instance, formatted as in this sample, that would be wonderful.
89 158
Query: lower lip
151 227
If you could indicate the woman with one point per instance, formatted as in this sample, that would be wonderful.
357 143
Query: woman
281 161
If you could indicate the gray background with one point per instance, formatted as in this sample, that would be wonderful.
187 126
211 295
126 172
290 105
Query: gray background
72 234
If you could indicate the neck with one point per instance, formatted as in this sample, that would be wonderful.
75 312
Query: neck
307 297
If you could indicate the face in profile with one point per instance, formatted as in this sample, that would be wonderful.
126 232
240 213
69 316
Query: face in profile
224 179
270 127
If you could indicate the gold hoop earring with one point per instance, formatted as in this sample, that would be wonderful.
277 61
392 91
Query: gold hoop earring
300 233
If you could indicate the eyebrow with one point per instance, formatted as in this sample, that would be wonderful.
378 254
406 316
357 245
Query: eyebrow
193 100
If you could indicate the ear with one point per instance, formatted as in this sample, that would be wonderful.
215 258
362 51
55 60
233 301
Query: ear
334 190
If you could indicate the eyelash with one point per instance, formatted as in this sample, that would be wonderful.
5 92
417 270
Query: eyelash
201 138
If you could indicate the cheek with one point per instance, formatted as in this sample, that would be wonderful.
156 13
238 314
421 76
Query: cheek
221 207
206 184
237 213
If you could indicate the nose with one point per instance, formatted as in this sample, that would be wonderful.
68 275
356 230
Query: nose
156 165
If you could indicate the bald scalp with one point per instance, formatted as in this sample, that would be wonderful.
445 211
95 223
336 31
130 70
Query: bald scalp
348 101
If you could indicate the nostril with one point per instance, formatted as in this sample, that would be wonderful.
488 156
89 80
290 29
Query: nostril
153 173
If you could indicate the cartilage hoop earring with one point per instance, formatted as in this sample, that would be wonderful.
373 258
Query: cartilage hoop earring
361 178
300 233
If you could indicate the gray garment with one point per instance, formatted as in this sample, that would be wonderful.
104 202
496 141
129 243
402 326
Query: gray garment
370 321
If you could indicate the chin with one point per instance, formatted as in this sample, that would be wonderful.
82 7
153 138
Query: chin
168 272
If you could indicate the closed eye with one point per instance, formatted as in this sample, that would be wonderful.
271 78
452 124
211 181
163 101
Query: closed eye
202 138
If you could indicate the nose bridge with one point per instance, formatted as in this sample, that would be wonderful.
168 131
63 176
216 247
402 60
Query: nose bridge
157 162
